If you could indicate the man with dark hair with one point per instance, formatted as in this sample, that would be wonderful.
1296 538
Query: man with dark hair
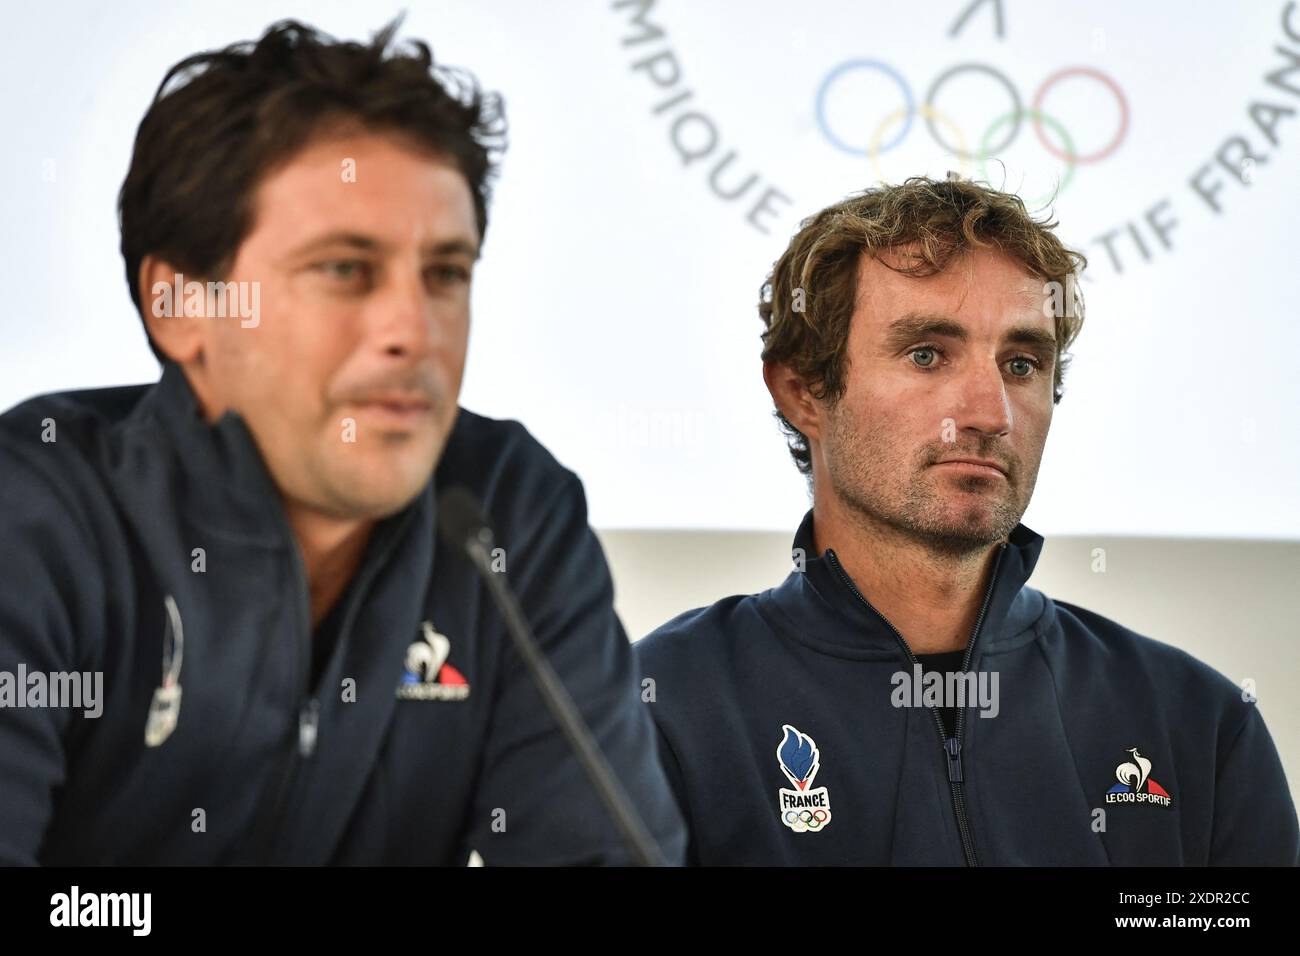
914 341
294 669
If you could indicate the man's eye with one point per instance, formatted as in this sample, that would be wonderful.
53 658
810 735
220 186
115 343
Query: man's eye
1033 365
345 270
449 274
930 354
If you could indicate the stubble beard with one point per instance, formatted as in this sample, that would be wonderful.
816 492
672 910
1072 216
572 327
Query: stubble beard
950 516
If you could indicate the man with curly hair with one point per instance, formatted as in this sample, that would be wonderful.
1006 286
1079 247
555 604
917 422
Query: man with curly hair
903 697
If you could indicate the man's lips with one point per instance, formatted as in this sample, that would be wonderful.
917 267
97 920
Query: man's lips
396 410
973 466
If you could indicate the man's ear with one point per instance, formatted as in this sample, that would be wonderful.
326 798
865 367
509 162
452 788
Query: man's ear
177 334
793 399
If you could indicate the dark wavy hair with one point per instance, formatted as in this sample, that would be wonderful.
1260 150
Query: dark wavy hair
939 219
220 121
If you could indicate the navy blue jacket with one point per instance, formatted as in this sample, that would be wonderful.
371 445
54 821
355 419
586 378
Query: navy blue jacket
783 728
444 746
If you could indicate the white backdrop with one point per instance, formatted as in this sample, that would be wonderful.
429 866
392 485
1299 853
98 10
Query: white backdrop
614 311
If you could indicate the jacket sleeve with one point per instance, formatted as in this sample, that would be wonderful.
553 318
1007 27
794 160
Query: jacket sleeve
1254 816
534 803
47 577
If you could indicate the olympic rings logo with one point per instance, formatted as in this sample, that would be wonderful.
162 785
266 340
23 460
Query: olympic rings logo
1011 120
808 818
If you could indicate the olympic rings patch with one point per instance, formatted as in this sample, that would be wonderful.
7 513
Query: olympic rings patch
811 819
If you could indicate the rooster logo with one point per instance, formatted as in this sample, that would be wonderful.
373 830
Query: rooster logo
1135 783
427 675
1133 775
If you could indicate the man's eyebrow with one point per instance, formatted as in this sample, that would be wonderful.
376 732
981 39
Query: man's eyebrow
920 325
451 247
1032 337
364 243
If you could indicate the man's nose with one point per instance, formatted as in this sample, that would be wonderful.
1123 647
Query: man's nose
403 316
982 401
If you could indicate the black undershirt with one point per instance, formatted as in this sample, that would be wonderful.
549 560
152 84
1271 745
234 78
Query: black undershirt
326 635
947 661
323 640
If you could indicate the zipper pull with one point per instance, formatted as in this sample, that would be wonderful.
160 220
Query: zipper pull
308 720
165 709
953 747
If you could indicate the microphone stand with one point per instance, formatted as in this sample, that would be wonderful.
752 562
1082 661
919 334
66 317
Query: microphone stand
477 545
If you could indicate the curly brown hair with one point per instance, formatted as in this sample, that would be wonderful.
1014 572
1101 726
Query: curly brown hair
807 301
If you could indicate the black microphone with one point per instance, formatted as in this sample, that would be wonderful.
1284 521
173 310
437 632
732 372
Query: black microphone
463 527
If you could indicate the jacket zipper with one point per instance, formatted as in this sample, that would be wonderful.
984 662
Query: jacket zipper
304 744
305 741
951 745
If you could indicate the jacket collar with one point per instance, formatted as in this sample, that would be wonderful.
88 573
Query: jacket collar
820 607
